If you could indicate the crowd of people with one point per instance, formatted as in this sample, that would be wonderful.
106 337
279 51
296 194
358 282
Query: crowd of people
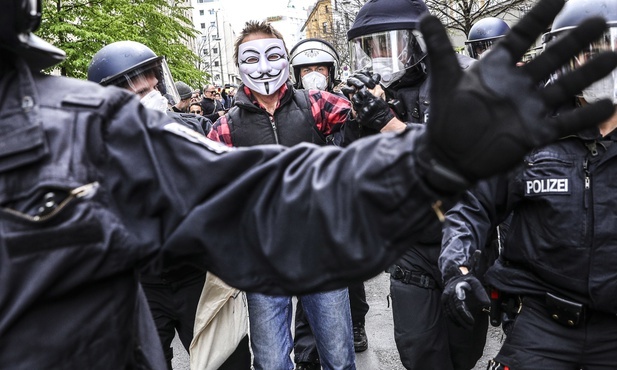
135 208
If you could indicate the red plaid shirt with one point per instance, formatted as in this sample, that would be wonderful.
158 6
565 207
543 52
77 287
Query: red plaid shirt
330 112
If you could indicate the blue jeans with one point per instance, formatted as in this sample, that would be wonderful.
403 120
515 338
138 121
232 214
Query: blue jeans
329 316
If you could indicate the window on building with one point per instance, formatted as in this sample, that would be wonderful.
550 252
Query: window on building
201 12
203 26
211 11
325 27
326 7
215 50
216 63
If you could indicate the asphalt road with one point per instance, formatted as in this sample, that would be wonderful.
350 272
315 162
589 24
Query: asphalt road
382 353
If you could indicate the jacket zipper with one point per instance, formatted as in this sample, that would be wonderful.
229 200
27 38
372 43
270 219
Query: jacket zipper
274 129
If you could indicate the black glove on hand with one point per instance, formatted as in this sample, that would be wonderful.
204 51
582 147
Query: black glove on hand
485 120
371 111
461 293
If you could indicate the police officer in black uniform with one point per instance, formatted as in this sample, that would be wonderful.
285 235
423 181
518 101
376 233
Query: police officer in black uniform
388 42
93 187
173 294
556 274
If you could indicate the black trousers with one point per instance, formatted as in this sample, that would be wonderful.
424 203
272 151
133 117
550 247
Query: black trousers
305 349
173 306
538 342
426 338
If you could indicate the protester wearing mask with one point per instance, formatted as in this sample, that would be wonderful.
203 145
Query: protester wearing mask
269 110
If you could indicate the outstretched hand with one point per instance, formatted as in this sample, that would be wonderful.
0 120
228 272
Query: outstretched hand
485 120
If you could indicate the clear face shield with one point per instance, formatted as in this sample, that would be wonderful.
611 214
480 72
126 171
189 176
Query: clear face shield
154 76
477 49
388 53
605 88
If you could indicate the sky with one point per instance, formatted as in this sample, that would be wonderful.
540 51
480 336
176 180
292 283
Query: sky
240 11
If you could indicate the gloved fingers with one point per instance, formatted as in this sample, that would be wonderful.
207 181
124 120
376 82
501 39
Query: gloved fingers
563 49
441 54
526 31
571 122
366 80
348 91
360 97
572 83
457 311
479 293
354 82
376 77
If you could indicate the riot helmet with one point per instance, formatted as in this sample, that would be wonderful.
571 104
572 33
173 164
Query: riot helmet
18 19
310 52
132 66
483 34
385 39
574 13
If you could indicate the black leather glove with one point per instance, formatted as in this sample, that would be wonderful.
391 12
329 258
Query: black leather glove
484 120
371 111
462 295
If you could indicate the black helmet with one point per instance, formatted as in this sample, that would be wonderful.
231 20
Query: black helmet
121 63
385 39
313 52
573 14
483 34
18 19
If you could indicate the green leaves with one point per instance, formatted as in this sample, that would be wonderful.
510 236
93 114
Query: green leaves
82 27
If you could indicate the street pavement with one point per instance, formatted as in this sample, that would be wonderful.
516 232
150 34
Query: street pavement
382 353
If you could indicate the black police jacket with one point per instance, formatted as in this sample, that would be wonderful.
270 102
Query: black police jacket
563 232
93 187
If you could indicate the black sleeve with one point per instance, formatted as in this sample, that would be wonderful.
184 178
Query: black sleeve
471 222
270 219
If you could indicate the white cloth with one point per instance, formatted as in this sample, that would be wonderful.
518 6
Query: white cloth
220 324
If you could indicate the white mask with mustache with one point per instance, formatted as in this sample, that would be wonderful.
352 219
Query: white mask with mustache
263 65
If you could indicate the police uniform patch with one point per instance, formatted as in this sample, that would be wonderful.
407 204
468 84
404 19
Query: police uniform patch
547 186
196 137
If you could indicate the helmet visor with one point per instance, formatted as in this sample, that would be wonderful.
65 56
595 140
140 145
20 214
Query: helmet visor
153 76
476 49
387 53
605 88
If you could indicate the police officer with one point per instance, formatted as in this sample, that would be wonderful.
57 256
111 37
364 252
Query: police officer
174 293
93 187
135 67
483 34
388 43
556 273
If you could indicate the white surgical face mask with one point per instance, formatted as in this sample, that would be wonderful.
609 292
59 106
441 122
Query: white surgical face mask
154 100
315 80
602 89
263 65
388 70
